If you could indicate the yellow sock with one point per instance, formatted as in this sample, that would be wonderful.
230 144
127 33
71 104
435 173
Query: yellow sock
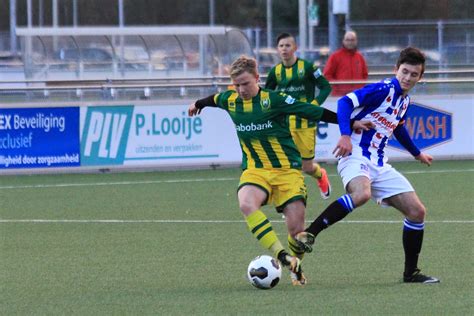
317 171
262 229
295 250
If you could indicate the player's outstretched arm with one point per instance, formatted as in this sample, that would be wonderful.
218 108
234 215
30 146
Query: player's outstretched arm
196 107
404 139
401 134
308 111
328 116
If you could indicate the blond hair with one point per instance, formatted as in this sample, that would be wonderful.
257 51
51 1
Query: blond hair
243 64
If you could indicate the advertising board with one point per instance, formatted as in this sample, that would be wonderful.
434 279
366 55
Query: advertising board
39 137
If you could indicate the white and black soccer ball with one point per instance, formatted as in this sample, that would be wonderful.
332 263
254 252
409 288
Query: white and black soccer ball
264 272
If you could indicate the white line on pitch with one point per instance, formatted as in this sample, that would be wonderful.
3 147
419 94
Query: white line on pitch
64 185
435 171
172 221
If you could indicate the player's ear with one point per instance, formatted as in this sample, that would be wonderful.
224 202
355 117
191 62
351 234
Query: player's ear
422 73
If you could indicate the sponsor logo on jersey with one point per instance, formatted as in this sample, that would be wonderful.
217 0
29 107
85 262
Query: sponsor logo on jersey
382 121
293 89
254 127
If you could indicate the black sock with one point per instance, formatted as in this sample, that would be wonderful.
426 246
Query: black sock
412 241
332 214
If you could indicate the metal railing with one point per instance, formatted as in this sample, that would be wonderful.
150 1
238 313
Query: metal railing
459 81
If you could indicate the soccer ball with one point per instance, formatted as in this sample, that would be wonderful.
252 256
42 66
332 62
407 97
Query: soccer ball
264 272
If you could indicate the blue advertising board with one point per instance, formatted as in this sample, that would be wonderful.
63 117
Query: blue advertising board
39 137
427 127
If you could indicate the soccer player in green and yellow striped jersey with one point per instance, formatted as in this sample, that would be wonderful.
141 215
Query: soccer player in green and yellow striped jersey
270 159
298 78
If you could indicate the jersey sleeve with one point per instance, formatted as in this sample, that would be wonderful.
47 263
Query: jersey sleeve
322 84
221 99
344 111
271 82
401 134
218 100
207 101
368 97
289 105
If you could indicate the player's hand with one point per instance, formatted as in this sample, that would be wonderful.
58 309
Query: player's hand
193 110
343 147
363 125
424 158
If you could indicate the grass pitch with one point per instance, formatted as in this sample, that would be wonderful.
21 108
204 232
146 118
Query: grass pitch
172 243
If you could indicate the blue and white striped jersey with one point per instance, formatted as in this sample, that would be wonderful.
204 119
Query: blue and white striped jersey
381 103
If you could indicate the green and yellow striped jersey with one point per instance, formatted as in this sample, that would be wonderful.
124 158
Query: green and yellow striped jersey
262 126
299 81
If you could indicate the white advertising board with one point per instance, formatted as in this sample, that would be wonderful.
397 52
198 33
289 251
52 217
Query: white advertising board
156 136
442 126
164 135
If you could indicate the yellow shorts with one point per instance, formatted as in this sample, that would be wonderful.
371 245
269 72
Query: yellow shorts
281 185
305 140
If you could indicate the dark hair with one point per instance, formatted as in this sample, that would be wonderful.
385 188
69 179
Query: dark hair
282 36
411 56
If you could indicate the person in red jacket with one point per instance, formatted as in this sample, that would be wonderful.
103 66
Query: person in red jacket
346 64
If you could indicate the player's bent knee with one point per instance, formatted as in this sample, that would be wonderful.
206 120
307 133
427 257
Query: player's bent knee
416 213
360 198
419 212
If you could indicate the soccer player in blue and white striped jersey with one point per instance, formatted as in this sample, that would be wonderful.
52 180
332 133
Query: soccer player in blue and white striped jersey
363 164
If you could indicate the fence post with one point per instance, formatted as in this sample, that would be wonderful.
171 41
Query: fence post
13 43
440 27
468 48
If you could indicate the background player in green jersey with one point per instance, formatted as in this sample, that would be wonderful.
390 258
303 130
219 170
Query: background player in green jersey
298 78
271 162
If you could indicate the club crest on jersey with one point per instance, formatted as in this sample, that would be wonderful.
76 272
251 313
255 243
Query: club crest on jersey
300 73
265 103
403 108
231 104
